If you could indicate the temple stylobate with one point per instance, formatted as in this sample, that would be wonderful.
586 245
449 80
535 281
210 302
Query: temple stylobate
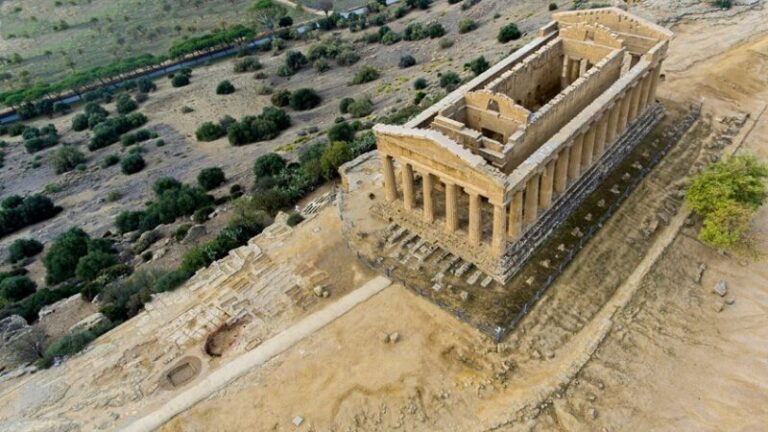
499 163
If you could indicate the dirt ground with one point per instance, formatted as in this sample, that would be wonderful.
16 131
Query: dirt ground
674 356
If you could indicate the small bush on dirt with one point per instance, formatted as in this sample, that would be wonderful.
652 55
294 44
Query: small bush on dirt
23 248
224 88
265 126
407 61
269 165
477 66
201 215
304 99
294 61
420 83
247 64
146 85
553 6
90 266
132 164
281 98
66 346
361 107
209 131
445 43
180 81
18 212
508 33
211 178
450 80
66 159
344 104
142 135
365 74
467 25
79 122
109 160
125 104
341 132
15 288
435 30
321 65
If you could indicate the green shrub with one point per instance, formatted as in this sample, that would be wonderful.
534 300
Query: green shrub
294 219
141 135
180 81
201 215
16 288
365 74
361 107
341 132
109 160
66 346
23 248
181 231
281 98
347 57
294 61
420 83
510 32
321 65
66 159
467 25
125 104
171 203
109 131
209 131
64 253
17 212
304 99
333 157
146 85
445 43
450 80
80 122
553 6
90 266
478 65
224 88
247 64
407 61
132 164
211 178
344 104
265 126
435 30
269 165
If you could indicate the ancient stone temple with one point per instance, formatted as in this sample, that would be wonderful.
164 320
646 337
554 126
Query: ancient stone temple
499 163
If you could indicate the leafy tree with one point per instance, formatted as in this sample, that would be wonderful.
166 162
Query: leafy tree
225 87
90 266
180 80
478 65
80 122
62 257
270 164
23 248
211 178
267 13
510 32
66 159
294 61
333 157
304 99
726 195
132 164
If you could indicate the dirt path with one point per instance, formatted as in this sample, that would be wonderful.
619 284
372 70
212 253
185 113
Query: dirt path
257 357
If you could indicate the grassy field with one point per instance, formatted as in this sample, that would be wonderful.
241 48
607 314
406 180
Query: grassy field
54 37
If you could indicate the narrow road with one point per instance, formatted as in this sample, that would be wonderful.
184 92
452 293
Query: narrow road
238 367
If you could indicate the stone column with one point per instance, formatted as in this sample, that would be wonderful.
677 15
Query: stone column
574 163
624 113
515 215
575 64
588 147
475 218
531 210
547 181
390 188
646 88
408 201
583 67
654 83
451 207
634 103
499 240
561 171
602 128
429 202
613 124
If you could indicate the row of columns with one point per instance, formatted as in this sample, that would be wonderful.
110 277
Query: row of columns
452 190
539 191
573 159
573 68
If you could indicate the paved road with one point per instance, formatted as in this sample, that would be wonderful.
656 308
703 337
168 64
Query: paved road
238 367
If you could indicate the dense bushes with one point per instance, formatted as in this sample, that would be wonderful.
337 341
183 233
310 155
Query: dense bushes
233 34
108 132
180 80
224 88
211 178
304 99
39 139
17 212
269 165
341 132
145 85
265 126
406 61
66 159
360 107
294 61
281 98
172 200
365 74
142 135
23 248
478 65
450 80
79 122
209 131
132 164
335 48
509 32
16 288
63 259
